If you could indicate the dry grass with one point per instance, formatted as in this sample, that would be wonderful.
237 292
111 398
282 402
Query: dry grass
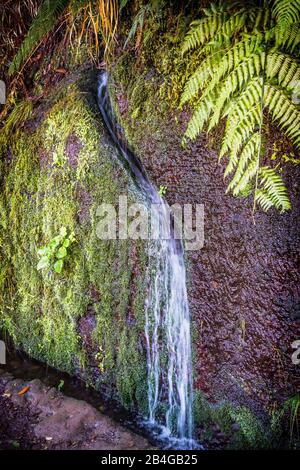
93 21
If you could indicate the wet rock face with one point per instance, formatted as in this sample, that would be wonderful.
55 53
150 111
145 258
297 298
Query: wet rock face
243 285
73 147
243 288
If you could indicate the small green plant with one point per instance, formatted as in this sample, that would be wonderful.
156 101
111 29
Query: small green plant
53 255
162 190
99 356
58 160
60 385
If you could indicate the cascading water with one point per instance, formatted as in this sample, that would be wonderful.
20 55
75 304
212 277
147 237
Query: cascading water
167 318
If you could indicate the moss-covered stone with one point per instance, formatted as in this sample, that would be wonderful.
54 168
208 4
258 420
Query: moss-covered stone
238 425
61 168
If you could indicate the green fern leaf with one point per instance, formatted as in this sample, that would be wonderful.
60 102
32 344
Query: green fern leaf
45 20
237 80
272 191
287 15
248 175
286 11
283 111
233 58
198 120
239 129
249 153
283 67
221 22
197 80
248 76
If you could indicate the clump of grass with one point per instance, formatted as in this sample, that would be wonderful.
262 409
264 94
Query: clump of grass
293 407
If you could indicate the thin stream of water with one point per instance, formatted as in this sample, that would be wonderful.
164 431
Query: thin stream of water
167 316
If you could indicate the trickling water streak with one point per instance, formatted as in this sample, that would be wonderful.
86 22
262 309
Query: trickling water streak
167 318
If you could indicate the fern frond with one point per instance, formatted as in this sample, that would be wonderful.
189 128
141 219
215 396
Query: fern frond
138 23
283 67
214 67
45 20
236 22
250 68
197 80
283 111
203 30
214 46
238 130
220 22
248 175
286 11
234 57
250 151
263 199
198 120
287 36
272 191
242 75
293 37
287 15
21 112
76 5
240 137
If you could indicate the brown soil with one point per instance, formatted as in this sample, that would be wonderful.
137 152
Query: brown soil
44 418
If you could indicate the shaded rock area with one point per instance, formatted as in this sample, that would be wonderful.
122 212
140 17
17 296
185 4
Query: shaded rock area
44 418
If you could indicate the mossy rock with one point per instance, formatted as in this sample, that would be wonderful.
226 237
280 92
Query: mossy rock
87 320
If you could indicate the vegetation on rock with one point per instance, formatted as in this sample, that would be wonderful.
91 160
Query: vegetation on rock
248 64
42 311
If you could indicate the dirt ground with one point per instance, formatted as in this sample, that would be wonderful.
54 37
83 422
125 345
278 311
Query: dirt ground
44 418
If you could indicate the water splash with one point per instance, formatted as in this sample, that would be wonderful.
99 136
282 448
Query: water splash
167 317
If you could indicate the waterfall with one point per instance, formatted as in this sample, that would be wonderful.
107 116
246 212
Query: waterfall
167 317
